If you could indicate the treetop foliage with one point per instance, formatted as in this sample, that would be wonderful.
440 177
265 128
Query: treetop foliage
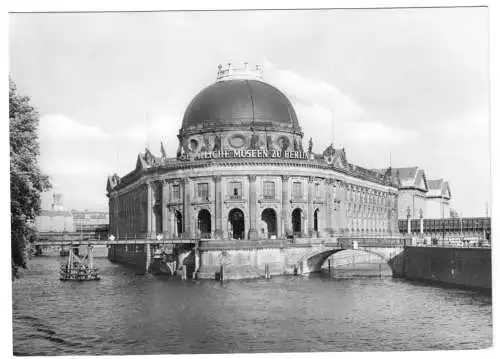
26 179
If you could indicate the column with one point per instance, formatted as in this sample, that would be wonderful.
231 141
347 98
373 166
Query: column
421 222
341 206
186 220
252 204
310 208
285 205
409 221
328 207
218 234
149 208
154 193
165 213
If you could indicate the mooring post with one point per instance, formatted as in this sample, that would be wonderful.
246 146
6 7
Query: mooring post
183 272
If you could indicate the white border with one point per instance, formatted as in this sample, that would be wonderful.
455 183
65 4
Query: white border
148 5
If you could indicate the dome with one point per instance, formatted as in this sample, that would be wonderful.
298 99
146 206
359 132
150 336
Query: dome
242 103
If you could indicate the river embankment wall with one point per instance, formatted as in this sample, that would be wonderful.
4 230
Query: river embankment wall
136 256
464 267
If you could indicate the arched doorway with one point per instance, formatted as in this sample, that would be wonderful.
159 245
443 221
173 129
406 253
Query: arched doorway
236 220
178 221
316 219
204 223
297 221
269 218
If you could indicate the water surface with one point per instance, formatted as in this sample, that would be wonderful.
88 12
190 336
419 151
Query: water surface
124 313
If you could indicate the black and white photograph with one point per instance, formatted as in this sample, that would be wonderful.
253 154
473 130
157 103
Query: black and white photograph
216 181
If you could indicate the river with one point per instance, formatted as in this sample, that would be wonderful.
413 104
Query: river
124 313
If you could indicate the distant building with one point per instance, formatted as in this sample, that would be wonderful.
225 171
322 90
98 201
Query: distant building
438 199
89 221
57 219
57 202
54 221
421 196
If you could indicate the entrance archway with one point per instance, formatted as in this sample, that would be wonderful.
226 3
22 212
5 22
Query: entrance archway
269 218
204 223
297 221
178 220
316 219
236 219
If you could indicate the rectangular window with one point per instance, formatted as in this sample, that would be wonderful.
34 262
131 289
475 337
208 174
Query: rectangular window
235 190
269 190
203 191
316 190
176 194
297 190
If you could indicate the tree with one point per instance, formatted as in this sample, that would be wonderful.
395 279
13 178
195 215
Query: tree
453 213
27 181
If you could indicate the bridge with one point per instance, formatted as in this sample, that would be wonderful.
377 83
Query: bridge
79 242
411 256
245 258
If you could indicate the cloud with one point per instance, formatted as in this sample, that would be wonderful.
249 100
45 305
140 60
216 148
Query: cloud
328 115
163 129
313 92
74 167
57 126
364 133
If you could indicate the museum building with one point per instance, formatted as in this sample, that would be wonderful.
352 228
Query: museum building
241 172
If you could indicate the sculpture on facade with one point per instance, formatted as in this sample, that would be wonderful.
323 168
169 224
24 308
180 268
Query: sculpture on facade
269 143
310 147
254 141
162 150
217 143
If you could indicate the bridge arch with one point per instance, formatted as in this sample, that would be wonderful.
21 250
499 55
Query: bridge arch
312 261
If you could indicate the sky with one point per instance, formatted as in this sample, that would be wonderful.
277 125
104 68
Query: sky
400 87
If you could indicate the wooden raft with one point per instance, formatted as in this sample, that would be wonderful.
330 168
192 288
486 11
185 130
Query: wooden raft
79 269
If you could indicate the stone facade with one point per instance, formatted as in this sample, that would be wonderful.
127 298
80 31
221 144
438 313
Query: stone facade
304 202
420 197
241 172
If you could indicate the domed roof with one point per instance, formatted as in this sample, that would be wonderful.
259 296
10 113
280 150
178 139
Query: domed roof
240 103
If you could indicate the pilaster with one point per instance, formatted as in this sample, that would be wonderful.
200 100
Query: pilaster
186 221
310 208
164 210
149 208
218 234
329 206
285 205
252 204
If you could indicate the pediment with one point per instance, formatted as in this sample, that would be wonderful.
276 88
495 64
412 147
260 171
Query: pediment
339 163
140 163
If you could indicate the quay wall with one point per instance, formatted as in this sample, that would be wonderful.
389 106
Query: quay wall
245 260
136 256
100 251
465 267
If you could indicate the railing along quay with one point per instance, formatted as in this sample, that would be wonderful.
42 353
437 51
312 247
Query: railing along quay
451 244
342 241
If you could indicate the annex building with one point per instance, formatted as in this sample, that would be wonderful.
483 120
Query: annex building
241 171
